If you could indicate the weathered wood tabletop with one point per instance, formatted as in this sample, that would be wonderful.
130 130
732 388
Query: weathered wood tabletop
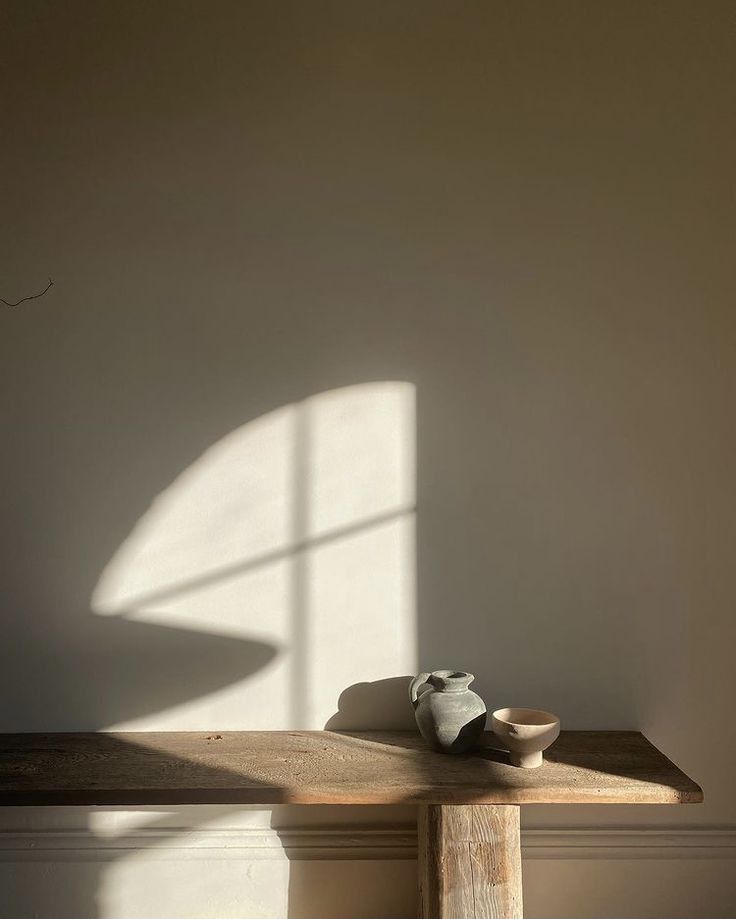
326 767
469 855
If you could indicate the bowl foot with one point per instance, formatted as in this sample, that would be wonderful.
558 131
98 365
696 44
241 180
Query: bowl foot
526 760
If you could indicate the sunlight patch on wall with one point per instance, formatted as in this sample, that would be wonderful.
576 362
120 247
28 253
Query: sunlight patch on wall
297 529
231 505
361 627
361 455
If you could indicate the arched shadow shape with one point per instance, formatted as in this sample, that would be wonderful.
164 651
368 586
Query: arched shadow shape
126 669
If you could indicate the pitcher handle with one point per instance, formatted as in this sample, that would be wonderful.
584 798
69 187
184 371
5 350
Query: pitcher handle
418 680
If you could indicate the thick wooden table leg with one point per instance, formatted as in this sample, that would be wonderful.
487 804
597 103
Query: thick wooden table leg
469 862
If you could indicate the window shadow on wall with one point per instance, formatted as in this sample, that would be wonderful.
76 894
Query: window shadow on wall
248 594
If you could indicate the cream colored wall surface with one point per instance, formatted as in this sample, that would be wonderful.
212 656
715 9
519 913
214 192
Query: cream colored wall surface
382 336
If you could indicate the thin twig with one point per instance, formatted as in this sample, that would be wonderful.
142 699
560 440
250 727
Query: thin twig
32 297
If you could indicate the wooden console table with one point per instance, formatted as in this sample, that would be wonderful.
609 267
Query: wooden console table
469 853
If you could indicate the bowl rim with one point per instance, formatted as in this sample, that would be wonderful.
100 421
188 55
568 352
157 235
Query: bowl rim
502 715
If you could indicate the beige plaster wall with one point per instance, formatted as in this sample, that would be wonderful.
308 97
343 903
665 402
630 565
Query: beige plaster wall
524 212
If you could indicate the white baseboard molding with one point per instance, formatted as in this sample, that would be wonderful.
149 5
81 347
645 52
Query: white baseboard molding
631 842
322 843
242 843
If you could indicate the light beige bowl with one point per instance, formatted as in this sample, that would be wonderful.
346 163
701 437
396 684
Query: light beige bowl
526 732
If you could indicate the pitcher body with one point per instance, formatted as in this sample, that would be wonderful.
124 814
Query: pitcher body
450 716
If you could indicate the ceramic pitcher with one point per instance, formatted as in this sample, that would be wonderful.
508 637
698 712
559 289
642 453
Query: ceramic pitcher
451 717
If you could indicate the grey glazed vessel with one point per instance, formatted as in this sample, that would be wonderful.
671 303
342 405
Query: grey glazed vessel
450 716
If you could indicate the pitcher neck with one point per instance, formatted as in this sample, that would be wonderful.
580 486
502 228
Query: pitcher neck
450 680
